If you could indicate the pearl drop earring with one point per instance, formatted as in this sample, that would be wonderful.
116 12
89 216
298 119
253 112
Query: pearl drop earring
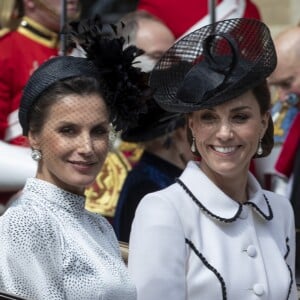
260 149
193 146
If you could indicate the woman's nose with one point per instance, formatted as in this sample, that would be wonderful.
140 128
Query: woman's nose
224 131
86 145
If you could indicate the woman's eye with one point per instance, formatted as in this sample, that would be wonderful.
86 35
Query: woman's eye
99 131
240 118
208 117
67 130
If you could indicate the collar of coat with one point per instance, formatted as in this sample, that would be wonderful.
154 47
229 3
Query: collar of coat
214 202
37 32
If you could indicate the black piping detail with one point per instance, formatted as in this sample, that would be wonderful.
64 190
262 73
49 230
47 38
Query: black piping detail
270 216
290 270
234 218
205 209
291 281
287 248
210 267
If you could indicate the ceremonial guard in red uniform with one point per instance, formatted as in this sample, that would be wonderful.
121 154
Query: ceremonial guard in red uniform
22 51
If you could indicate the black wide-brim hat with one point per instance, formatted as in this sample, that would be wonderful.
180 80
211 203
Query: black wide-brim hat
53 70
213 64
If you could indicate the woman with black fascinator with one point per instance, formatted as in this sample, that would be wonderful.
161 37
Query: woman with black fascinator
51 247
215 233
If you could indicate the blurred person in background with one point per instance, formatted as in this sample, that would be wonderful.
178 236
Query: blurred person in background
166 152
286 82
23 49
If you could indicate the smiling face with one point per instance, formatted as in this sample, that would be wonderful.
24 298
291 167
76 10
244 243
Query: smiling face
227 136
73 142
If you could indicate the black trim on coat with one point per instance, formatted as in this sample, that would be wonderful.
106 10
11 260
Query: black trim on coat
210 267
290 270
240 206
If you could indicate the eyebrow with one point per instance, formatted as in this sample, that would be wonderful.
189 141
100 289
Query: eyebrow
240 108
234 109
70 123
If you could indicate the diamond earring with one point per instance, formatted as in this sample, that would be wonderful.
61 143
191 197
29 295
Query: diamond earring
36 155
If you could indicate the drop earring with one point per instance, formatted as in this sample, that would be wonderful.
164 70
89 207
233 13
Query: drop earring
259 149
36 155
193 146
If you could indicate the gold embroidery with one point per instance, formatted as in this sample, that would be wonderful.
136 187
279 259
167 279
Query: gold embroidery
102 196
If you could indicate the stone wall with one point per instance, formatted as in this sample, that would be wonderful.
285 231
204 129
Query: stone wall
279 14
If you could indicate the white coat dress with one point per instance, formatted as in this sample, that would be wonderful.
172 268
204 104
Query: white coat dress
190 241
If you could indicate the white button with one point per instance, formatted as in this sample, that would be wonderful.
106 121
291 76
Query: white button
251 251
258 289
244 213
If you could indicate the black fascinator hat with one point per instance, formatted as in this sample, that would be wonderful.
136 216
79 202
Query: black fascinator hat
106 60
213 64
153 124
51 71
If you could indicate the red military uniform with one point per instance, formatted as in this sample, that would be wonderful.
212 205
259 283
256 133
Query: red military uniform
22 51
181 15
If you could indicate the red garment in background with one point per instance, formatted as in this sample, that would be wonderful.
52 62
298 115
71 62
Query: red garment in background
20 56
180 15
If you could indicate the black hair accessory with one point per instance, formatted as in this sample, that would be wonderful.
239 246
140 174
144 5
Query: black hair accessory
213 64
107 60
153 124
105 47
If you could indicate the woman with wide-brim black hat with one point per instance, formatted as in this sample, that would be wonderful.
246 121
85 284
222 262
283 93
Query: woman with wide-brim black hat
215 233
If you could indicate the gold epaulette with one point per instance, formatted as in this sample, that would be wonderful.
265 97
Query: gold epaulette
4 31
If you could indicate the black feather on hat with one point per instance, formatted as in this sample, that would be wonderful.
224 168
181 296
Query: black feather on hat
213 64
107 60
